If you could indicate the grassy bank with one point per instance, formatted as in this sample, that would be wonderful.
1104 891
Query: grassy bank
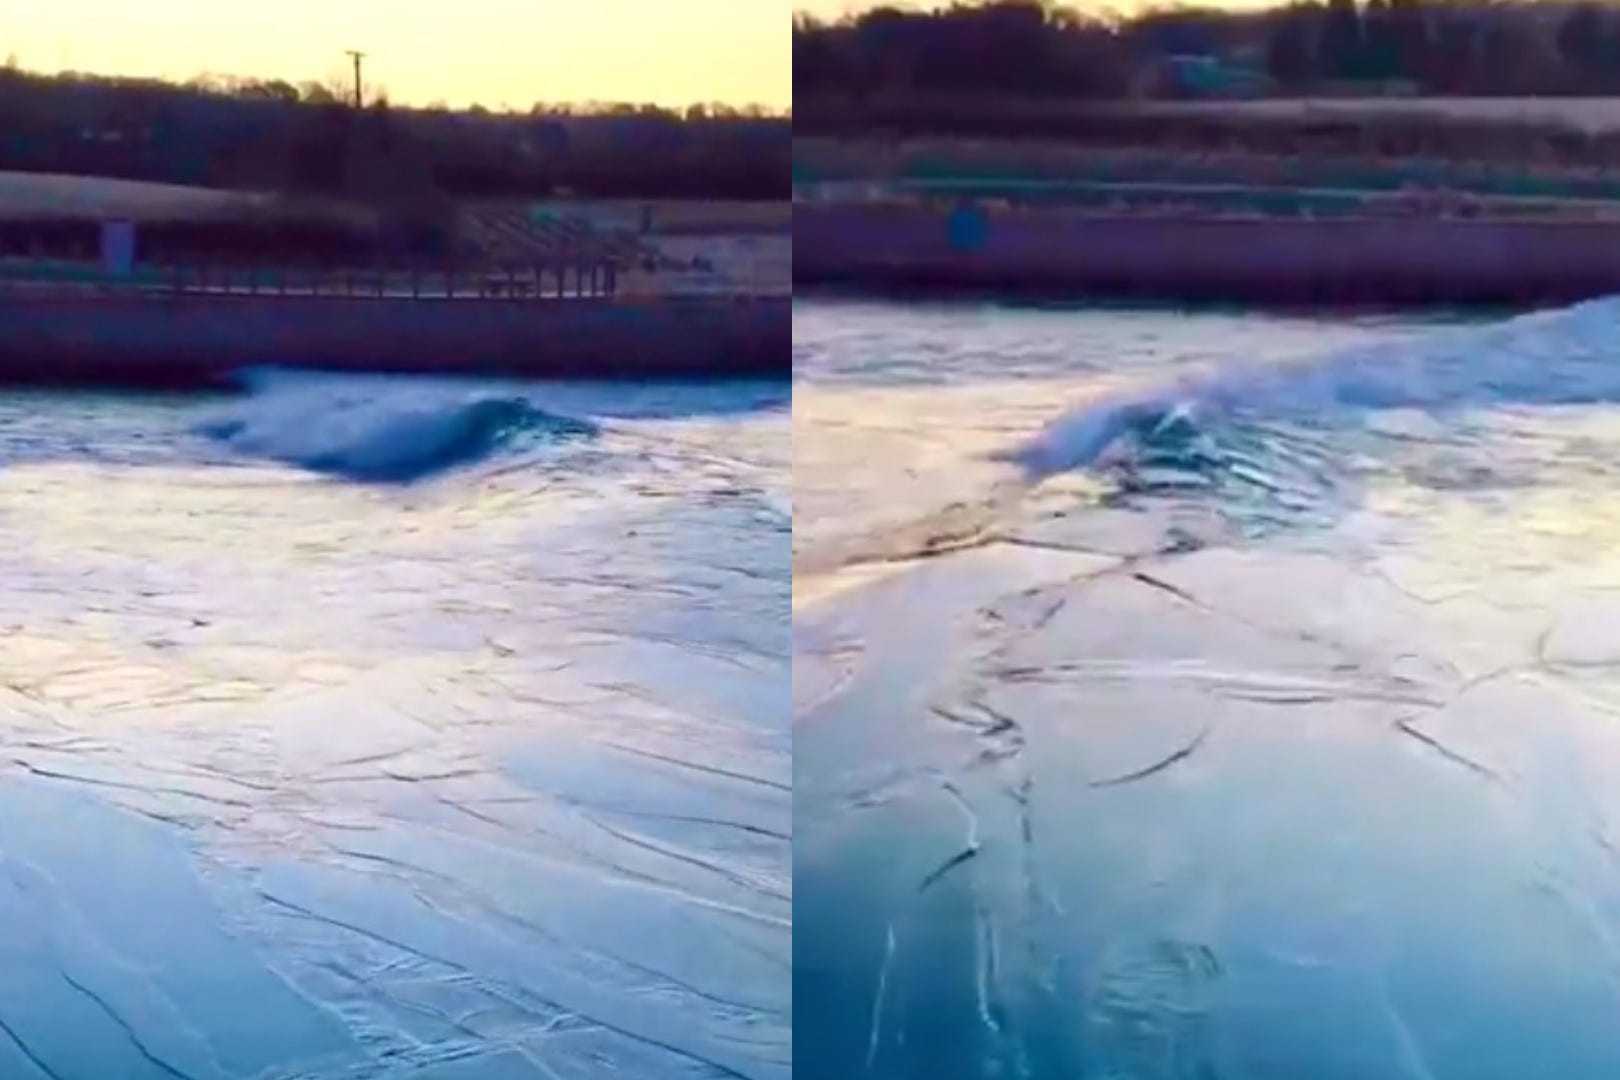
1558 136
50 233
1500 156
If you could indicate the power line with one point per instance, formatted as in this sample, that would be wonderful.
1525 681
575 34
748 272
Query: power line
358 56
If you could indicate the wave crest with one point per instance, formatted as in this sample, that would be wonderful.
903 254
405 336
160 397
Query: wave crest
1569 356
378 429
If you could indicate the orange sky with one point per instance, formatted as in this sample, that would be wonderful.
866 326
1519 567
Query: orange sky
493 52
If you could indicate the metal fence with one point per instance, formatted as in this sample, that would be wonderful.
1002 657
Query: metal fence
513 282
518 282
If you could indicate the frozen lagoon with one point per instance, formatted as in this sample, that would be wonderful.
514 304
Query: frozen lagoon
484 775
1280 742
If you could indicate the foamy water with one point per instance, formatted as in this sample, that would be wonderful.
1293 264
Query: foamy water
376 728
1232 696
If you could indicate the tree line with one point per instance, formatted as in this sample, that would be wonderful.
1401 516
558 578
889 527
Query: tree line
272 135
1033 49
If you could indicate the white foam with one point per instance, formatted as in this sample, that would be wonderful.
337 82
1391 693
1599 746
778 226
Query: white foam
1548 358
375 428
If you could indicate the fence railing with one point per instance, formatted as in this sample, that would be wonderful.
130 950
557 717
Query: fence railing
541 282
514 281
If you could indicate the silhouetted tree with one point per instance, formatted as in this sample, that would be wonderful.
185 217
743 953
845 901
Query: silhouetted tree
1381 42
1291 48
1588 44
1341 47
1018 47
1027 48
226 132
1413 37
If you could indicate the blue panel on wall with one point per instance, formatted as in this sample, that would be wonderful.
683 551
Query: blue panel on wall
969 227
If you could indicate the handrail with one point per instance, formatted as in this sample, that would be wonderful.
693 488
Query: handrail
545 282
512 281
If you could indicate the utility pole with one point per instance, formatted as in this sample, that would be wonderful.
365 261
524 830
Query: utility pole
359 103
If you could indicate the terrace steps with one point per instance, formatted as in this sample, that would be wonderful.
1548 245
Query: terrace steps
516 235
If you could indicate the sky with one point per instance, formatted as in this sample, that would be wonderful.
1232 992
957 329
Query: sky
461 52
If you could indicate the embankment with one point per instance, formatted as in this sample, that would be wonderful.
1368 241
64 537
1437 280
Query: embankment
152 339
1065 251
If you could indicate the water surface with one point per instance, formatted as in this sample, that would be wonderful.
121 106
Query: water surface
362 727
1206 695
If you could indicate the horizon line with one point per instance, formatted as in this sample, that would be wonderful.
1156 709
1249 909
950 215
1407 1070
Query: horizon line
582 107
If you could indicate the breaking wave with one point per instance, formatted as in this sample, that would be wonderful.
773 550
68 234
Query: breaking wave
1269 445
382 430
1565 357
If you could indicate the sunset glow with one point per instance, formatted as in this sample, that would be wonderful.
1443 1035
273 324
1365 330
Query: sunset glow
491 52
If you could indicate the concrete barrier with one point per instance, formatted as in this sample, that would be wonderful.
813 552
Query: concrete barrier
162 340
1070 252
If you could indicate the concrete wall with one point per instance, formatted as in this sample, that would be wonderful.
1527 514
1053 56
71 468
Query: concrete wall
162 340
1256 260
